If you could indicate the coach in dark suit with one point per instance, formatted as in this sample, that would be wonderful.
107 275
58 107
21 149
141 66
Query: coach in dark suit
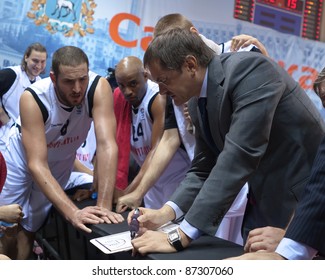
305 235
258 125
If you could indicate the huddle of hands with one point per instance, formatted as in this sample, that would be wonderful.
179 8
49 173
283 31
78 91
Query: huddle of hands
260 244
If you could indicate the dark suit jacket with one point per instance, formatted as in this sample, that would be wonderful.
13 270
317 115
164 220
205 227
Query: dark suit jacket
267 131
308 224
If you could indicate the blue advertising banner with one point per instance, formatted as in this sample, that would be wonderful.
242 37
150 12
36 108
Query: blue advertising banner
108 30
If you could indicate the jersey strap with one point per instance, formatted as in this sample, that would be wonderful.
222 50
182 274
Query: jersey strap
91 93
42 107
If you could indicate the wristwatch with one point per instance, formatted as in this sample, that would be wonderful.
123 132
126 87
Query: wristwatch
174 239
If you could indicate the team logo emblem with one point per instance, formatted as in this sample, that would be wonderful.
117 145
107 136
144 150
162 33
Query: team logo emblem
68 17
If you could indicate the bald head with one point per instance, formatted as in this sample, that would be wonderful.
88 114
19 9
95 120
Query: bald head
132 79
129 64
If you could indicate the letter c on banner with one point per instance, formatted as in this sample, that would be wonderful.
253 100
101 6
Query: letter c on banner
114 31
146 40
307 81
114 25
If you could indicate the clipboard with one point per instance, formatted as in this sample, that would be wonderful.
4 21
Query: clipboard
121 242
114 243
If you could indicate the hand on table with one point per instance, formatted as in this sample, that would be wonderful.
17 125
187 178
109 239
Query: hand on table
266 239
152 242
258 256
111 217
93 215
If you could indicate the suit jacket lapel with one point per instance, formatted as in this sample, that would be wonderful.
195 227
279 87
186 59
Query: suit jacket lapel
215 94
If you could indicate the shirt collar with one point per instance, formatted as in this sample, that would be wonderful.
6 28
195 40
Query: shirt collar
203 92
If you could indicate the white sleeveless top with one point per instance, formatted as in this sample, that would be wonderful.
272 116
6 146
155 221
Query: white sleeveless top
65 130
141 127
10 100
87 150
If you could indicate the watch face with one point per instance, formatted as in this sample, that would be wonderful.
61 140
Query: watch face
173 235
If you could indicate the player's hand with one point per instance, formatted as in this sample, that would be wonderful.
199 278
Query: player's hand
111 217
131 200
89 215
11 213
151 219
152 242
243 41
81 195
11 230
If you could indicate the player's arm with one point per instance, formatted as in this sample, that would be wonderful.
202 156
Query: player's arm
106 147
34 142
80 167
243 40
158 115
164 153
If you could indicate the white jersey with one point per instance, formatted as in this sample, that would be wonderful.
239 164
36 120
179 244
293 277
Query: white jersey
187 138
65 130
141 127
87 150
85 155
10 102
141 145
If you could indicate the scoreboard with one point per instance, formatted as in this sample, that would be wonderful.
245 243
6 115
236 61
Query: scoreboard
297 17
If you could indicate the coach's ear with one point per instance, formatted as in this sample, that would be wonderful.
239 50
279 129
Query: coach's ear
147 74
194 30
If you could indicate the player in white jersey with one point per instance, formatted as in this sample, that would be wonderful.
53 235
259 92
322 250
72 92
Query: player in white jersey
13 81
55 117
148 108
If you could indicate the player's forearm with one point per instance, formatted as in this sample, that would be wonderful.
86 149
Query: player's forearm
80 167
2 213
106 169
159 163
53 191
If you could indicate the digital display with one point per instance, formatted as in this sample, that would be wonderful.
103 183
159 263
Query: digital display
296 6
296 17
